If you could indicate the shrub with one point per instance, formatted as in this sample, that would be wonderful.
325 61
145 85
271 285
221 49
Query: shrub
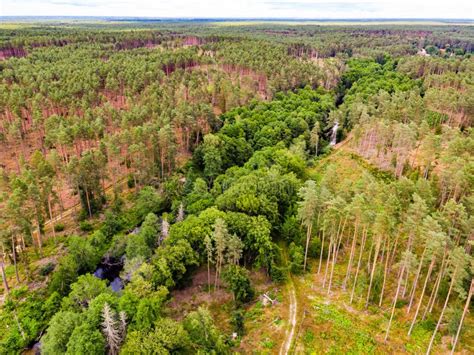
238 321
296 258
59 227
277 273
85 226
47 269
237 279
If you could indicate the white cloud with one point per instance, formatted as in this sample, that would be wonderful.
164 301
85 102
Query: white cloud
242 8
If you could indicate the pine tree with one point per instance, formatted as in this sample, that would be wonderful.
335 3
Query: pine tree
180 215
435 245
234 249
209 253
466 308
457 263
307 210
220 237
111 330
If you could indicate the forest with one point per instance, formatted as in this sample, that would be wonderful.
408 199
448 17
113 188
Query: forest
213 188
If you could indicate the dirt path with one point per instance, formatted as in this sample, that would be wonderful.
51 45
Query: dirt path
290 333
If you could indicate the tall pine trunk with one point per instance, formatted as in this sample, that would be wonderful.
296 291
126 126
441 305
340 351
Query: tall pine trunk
322 250
14 259
395 299
40 238
364 238
308 237
4 276
466 308
51 218
337 246
351 256
453 278
385 272
434 292
327 259
372 272
208 275
428 274
415 282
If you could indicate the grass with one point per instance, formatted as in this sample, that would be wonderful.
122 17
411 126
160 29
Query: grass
331 324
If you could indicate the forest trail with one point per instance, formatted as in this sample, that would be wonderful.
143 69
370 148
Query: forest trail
290 333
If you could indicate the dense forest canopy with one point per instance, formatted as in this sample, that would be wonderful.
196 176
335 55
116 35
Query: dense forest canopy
175 187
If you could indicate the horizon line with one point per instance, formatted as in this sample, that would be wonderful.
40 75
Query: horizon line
241 18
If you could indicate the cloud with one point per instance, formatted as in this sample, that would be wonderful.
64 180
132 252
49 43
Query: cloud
76 3
317 9
323 6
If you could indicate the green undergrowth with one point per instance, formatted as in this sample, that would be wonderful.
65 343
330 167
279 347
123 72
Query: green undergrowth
341 334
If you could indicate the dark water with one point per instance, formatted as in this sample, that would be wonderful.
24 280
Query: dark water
110 270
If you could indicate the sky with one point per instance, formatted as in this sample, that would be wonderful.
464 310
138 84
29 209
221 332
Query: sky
308 9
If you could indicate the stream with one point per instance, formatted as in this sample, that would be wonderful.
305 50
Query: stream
109 269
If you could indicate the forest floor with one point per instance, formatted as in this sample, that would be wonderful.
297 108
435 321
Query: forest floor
293 309
330 323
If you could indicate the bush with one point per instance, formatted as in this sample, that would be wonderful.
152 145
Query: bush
59 227
47 269
277 273
238 321
453 317
204 335
291 230
85 226
113 224
60 329
130 181
296 258
237 279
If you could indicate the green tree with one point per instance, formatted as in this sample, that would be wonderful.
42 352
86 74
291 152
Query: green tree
204 335
307 211
60 328
237 279
85 340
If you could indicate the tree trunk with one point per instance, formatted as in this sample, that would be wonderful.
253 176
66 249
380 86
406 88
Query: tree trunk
453 278
428 274
40 242
4 277
322 250
327 260
336 252
395 299
341 234
415 282
385 271
208 276
351 257
364 238
372 273
88 202
14 259
308 237
466 308
434 294
332 264
51 218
